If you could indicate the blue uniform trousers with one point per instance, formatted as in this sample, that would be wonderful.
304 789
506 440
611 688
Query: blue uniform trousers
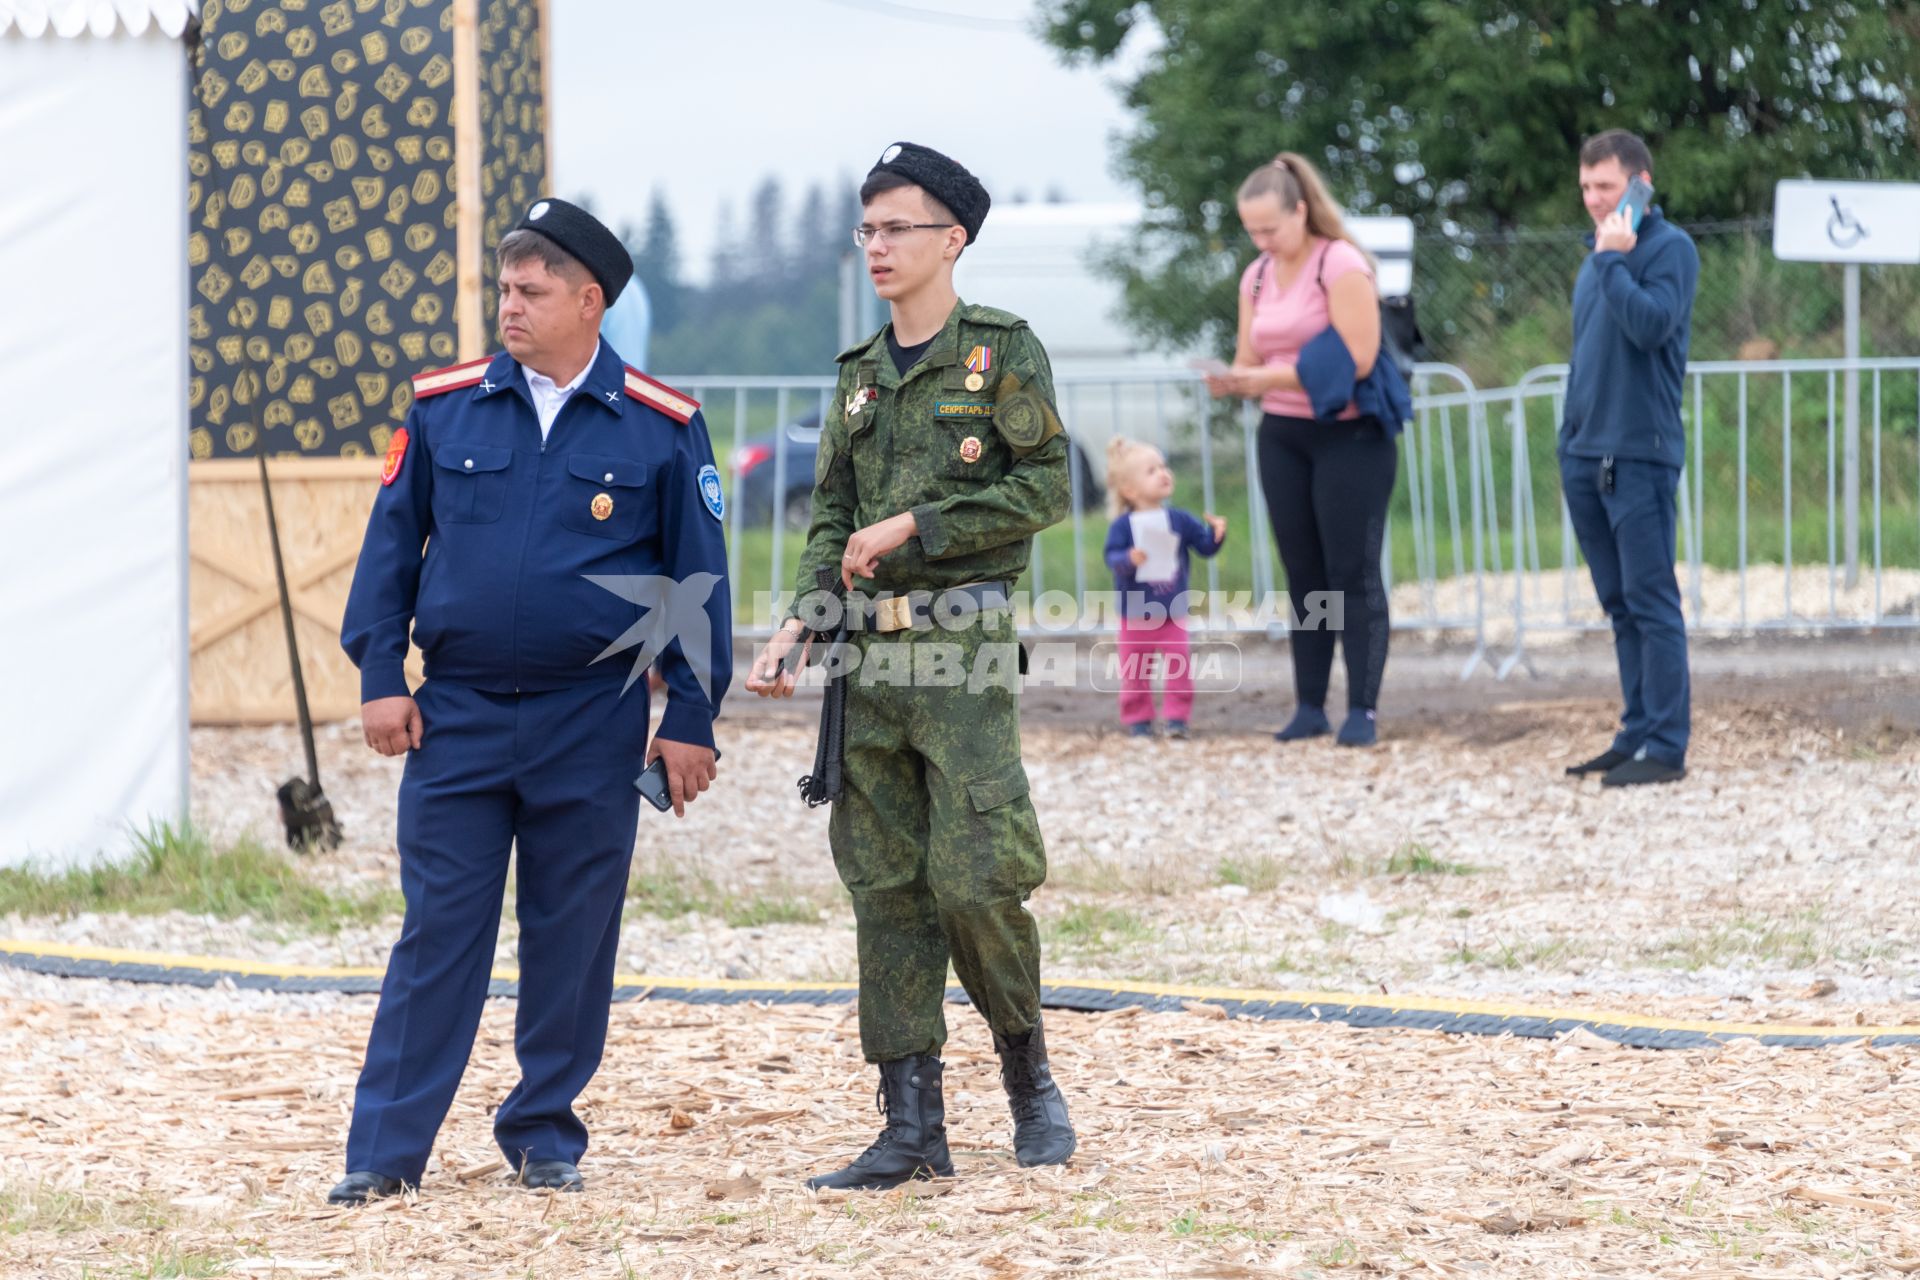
1627 537
553 773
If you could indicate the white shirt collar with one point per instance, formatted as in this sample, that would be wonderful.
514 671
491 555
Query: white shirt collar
542 384
549 397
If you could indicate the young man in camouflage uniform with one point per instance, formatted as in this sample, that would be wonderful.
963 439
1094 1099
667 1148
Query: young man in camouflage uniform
941 456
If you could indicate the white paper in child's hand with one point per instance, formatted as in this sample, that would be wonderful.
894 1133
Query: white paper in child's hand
1153 533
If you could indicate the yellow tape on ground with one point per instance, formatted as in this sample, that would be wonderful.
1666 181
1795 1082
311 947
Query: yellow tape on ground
1329 999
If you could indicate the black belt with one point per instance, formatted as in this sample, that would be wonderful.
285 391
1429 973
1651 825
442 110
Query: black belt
921 610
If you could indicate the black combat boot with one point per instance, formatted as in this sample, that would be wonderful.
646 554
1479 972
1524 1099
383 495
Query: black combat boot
1042 1134
914 1142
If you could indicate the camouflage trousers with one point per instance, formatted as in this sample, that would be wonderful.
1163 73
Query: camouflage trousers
935 837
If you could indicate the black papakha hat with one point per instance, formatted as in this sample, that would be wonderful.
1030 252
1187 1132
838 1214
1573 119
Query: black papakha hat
941 177
586 238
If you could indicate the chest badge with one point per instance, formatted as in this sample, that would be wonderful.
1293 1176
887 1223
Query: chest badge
979 360
861 397
602 506
970 449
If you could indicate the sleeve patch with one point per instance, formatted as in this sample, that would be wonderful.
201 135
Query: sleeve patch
709 481
1023 416
396 454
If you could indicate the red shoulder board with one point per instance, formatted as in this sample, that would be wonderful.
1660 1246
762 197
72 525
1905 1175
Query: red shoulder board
451 378
660 396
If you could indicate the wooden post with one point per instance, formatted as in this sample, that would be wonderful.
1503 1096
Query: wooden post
545 15
470 323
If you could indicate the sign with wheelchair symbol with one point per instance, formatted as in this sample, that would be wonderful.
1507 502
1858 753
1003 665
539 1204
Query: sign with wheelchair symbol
1816 221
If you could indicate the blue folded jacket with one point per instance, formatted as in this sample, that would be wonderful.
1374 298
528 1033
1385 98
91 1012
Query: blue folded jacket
1326 372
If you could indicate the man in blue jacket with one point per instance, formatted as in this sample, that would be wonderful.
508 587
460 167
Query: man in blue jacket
1622 444
549 522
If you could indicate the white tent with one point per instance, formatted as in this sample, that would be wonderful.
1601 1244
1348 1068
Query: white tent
93 368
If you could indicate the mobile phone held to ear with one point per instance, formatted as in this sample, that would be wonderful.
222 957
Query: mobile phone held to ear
1634 203
652 783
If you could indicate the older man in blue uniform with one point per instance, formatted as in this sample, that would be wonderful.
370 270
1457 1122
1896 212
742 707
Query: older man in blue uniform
549 522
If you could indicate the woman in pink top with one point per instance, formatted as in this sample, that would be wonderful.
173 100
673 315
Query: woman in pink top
1326 482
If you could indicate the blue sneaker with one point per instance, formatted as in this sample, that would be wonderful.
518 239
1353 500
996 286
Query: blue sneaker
1307 722
1359 729
1140 729
1177 730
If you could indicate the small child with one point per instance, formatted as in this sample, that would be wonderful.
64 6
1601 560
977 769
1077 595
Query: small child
1152 614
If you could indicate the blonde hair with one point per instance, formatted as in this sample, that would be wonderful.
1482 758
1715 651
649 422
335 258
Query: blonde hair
1120 455
1291 178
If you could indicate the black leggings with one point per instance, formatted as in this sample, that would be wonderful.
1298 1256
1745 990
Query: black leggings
1327 486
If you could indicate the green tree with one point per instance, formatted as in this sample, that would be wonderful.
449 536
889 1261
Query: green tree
1472 112
657 263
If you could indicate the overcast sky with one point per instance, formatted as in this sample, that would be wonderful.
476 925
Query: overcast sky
701 99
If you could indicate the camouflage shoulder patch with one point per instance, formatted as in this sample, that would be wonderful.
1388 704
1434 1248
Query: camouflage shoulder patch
1023 416
994 316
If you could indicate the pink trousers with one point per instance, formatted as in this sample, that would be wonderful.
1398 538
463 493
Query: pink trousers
1148 650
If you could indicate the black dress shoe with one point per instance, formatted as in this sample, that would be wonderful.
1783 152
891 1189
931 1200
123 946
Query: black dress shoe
1608 759
362 1186
555 1175
1638 773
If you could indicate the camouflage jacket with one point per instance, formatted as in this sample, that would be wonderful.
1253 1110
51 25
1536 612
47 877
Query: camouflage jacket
982 471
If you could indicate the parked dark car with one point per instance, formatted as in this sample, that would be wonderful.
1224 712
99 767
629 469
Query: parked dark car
753 465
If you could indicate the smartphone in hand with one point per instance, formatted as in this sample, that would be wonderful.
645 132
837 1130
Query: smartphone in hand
652 783
1634 203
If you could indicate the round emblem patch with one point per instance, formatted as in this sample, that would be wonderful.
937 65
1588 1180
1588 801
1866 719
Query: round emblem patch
710 491
1020 422
538 211
891 154
970 449
602 506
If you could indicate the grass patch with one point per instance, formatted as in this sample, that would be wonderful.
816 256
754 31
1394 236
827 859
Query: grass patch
1415 859
1258 875
1192 1226
43 1208
669 894
1794 942
174 1264
180 869
1511 956
1091 928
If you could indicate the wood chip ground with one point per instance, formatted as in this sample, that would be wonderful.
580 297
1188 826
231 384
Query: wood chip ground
151 1133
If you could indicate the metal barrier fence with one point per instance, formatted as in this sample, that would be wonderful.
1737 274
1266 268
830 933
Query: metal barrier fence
1782 484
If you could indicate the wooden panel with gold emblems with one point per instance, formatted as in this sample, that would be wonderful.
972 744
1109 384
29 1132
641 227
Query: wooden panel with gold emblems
322 222
513 128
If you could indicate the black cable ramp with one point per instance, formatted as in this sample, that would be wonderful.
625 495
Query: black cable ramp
1417 1013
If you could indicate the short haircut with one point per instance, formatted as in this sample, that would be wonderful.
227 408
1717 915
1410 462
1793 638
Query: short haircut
1617 144
879 183
528 245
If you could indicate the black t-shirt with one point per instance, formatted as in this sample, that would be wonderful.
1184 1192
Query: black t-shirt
904 358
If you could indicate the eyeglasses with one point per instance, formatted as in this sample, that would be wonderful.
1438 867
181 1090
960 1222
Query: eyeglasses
864 235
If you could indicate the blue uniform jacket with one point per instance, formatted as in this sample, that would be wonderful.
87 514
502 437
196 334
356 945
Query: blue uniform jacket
1631 316
485 539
